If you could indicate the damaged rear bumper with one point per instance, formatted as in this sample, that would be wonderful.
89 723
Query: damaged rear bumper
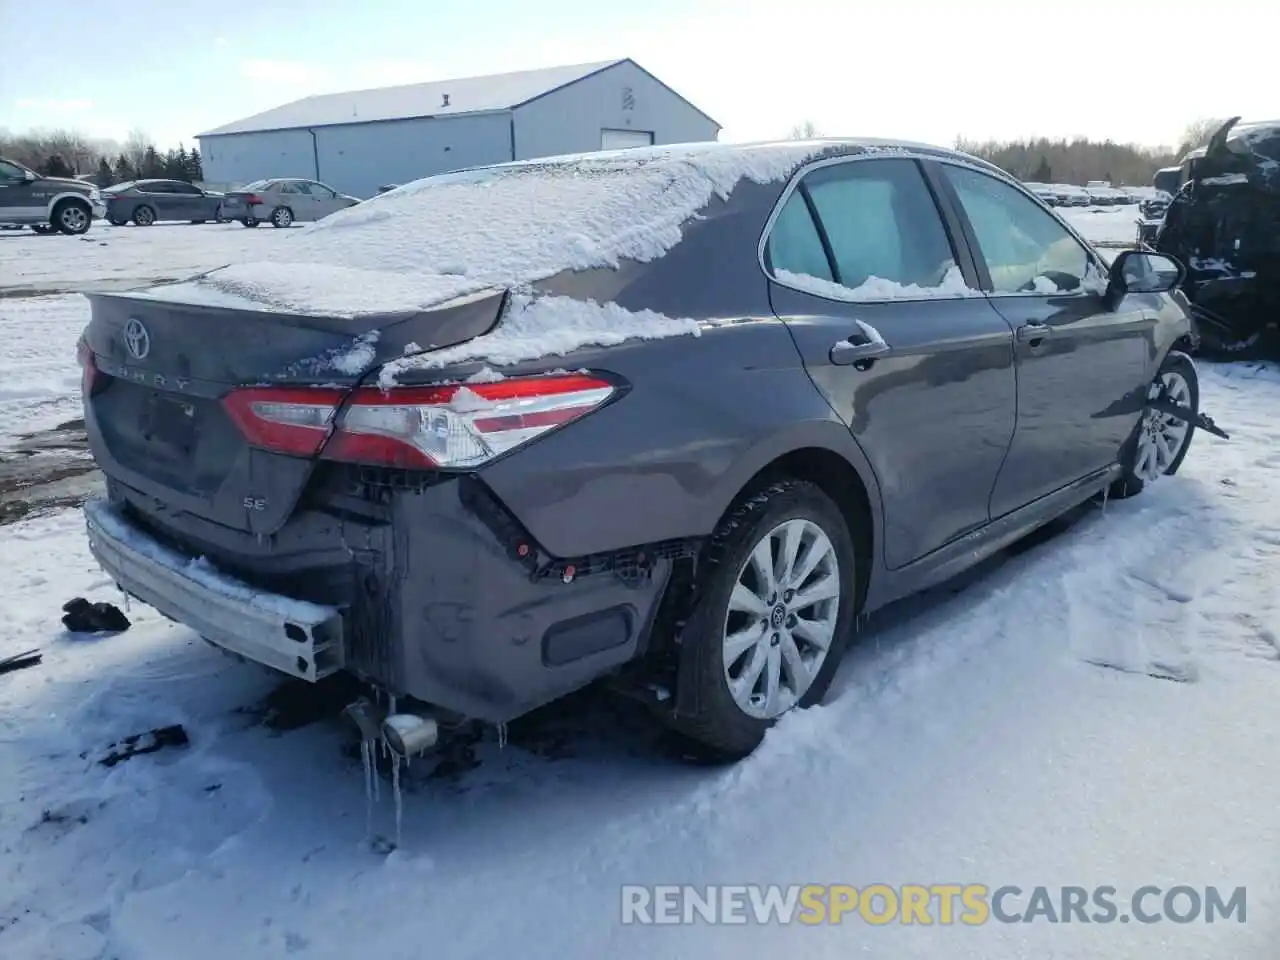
303 640
435 593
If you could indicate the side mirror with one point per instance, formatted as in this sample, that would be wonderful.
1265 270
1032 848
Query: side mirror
1141 271
28 176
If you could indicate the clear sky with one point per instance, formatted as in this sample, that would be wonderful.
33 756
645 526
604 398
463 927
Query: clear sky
1130 70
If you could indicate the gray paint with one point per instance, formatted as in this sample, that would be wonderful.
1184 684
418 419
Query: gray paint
442 604
358 158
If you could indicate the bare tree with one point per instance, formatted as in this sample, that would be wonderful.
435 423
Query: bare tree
1197 133
135 148
806 130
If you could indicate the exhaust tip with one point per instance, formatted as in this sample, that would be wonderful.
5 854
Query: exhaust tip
407 734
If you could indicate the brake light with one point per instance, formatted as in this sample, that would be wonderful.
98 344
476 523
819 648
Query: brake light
423 427
90 377
293 421
459 426
252 199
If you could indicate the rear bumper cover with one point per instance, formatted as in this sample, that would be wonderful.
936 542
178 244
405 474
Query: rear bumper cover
303 640
445 608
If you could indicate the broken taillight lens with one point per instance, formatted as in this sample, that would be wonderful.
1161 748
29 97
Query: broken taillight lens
286 420
445 426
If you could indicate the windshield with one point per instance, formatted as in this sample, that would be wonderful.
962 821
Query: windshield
119 187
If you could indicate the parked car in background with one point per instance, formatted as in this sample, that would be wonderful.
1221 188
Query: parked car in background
1072 196
145 202
47 204
1045 192
515 447
283 201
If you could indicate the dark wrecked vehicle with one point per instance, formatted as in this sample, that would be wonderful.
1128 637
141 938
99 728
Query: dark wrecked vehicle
674 417
1224 225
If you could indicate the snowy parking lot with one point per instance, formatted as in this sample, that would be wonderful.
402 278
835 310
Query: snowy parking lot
1096 708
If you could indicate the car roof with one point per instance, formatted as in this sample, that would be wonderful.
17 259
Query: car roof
824 148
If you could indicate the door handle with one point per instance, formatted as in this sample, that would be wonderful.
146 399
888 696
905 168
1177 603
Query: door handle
865 345
1034 331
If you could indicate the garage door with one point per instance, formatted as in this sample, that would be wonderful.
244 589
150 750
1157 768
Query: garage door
622 139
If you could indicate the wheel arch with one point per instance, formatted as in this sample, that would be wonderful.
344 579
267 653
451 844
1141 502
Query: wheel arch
58 198
827 455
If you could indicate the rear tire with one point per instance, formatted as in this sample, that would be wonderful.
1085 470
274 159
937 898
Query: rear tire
1144 457
144 216
199 221
744 661
116 223
72 217
249 222
282 217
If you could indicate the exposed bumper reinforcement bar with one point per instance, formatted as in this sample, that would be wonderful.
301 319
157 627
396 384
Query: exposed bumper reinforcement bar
301 639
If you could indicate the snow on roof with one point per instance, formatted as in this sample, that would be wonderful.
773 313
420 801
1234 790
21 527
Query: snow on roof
504 226
439 98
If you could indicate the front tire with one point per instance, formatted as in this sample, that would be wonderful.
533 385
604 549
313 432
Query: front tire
282 217
1159 443
772 618
72 217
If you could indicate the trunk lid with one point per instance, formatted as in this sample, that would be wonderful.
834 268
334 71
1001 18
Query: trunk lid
155 415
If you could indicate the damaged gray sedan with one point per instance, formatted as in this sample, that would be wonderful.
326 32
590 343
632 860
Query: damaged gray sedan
672 417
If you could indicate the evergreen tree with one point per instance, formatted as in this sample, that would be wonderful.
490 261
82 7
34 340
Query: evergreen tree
55 166
195 166
105 177
178 165
1044 173
152 164
124 170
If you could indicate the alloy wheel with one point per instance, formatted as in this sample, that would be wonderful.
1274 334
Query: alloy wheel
781 619
1162 436
73 218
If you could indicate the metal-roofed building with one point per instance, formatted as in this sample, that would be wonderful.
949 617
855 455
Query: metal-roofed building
363 139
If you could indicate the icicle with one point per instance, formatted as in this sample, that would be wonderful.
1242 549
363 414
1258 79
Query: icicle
366 755
395 789
502 736
1105 496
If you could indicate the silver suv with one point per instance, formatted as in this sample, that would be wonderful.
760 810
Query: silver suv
47 203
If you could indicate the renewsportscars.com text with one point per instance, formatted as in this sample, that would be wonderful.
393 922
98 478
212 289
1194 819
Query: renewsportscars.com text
972 904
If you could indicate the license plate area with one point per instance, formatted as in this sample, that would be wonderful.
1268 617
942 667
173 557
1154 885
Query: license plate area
170 424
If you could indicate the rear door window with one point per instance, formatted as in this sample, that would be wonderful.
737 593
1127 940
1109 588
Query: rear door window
884 237
1027 250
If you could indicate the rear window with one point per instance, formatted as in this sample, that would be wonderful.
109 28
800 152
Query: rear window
256 185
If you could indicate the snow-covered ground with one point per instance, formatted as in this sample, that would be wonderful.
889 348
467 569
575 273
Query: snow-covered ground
1105 225
1002 730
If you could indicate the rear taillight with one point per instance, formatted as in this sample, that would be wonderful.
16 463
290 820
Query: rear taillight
447 426
252 199
294 421
90 377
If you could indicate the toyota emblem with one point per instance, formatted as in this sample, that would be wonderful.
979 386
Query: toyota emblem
137 339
